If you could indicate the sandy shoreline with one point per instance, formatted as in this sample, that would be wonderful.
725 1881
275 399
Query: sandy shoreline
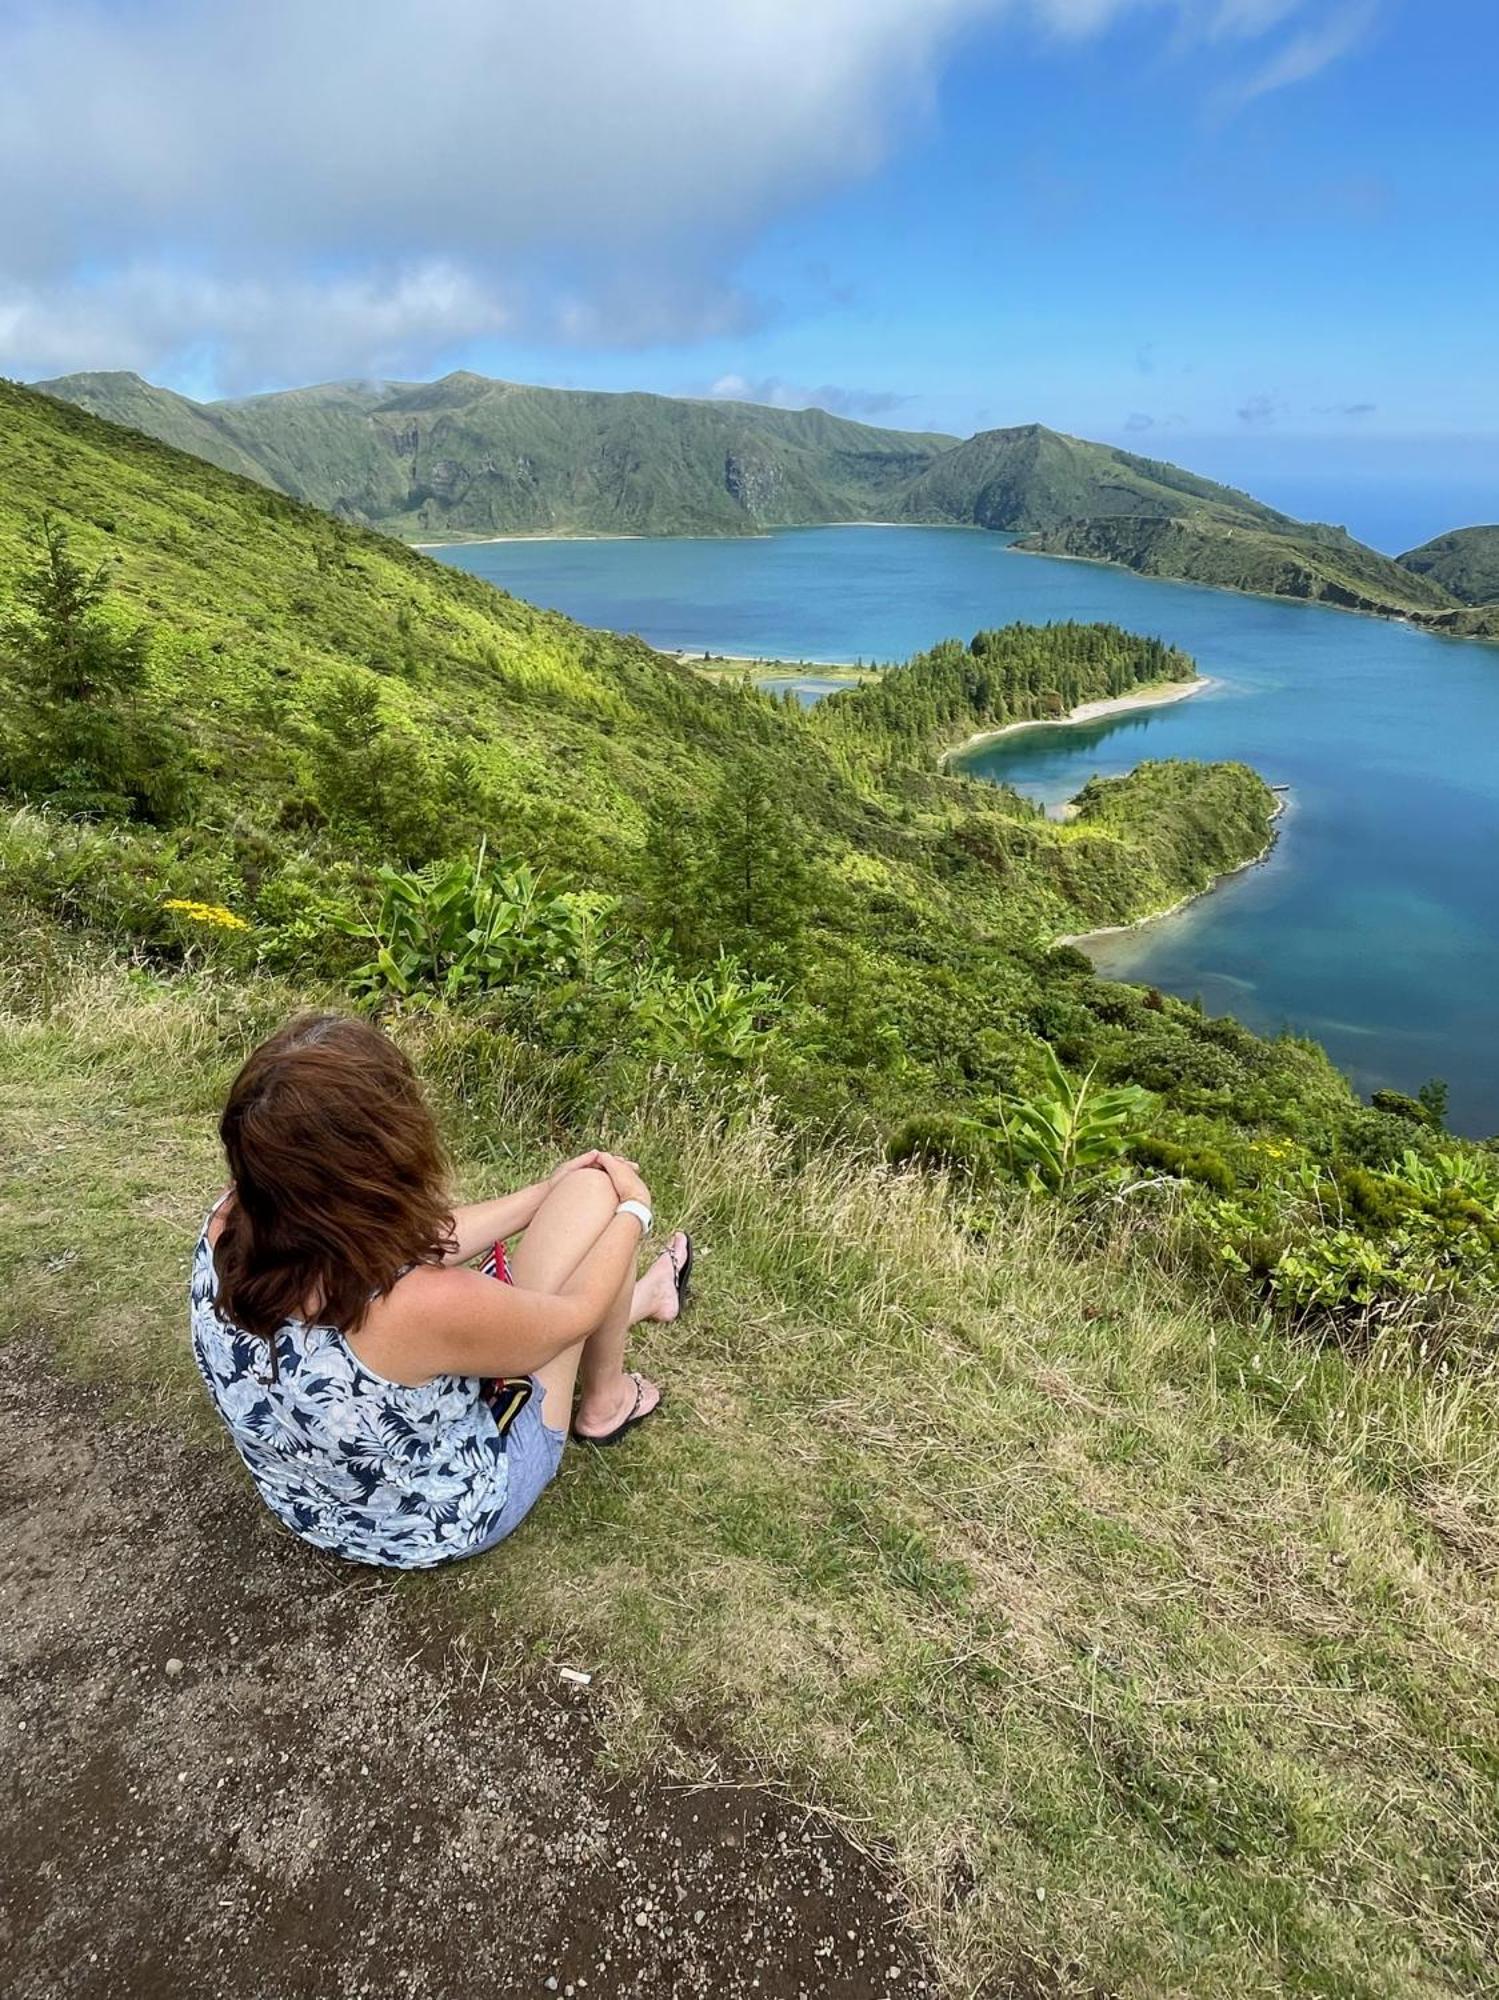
694 656
637 535
542 535
1159 696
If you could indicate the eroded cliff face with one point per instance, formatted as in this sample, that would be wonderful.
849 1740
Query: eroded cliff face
754 482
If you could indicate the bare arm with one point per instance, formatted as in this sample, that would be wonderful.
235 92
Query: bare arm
445 1320
482 1223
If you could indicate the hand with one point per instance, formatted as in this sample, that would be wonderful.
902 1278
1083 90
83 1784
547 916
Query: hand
591 1159
625 1175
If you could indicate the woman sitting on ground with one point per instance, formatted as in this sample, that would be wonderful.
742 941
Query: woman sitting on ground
393 1405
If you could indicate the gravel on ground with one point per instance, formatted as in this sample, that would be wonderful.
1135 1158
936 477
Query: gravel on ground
234 1768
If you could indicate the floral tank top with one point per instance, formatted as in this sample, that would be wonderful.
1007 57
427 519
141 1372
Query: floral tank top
372 1470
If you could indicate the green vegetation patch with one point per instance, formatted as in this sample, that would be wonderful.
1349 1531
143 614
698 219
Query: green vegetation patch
1465 563
1275 559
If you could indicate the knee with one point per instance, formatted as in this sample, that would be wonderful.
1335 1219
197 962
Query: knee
587 1188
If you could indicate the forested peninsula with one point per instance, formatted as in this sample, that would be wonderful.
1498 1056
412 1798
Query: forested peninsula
469 456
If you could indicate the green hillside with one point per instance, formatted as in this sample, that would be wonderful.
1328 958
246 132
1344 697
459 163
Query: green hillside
273 704
1322 565
471 456
1032 478
1464 563
1078 1467
343 701
124 398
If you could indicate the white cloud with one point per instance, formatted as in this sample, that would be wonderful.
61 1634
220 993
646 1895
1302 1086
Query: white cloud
843 402
265 171
275 189
1311 51
141 313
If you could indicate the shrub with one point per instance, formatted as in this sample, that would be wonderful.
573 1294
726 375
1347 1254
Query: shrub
1356 1248
963 1146
721 1016
1395 1104
1200 1164
84 735
460 930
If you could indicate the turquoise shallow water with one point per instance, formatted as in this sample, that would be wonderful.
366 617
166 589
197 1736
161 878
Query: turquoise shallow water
1374 926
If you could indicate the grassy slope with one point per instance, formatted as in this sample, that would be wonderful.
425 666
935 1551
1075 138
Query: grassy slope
1465 563
124 398
1160 1648
1321 565
260 604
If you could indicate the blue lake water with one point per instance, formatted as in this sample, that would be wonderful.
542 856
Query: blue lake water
1374 926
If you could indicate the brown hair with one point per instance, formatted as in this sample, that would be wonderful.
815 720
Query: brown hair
339 1177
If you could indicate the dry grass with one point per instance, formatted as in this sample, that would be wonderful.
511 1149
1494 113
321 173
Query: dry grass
1157 1647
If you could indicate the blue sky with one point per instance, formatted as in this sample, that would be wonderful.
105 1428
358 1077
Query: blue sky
1255 235
1094 233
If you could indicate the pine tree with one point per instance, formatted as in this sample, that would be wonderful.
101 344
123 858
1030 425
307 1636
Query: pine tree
753 884
83 734
57 644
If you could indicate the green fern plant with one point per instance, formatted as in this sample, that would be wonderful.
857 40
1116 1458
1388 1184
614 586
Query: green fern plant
719 1016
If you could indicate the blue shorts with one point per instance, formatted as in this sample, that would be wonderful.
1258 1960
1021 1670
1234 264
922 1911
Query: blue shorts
533 1450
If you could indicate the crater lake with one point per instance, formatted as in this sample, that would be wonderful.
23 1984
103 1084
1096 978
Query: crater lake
1374 925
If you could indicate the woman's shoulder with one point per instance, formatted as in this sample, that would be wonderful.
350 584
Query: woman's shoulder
407 1332
218 1215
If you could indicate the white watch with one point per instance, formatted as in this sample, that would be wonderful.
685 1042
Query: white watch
641 1214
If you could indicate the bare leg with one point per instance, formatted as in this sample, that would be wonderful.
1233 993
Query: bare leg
562 1232
608 1394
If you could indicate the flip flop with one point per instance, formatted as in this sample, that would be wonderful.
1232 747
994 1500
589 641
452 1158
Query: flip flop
682 1273
636 1416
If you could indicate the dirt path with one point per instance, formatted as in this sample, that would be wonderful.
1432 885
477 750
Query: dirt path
234 1769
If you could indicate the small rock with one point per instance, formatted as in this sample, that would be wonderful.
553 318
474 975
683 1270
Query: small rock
174 1668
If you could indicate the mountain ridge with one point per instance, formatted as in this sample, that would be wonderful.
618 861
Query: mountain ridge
470 455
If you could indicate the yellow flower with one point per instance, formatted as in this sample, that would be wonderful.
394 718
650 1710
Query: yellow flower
206 913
